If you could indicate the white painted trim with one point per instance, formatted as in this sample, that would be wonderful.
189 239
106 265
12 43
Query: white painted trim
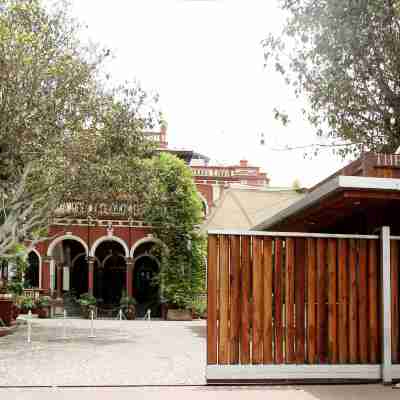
386 306
109 238
147 239
336 183
40 265
289 234
396 372
59 239
298 372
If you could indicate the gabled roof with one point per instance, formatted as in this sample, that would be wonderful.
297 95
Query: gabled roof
241 207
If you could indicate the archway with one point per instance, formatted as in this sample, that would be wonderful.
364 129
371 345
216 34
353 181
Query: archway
71 255
32 272
145 287
109 273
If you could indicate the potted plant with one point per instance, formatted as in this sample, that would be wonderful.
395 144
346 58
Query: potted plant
179 308
43 305
128 304
199 308
88 304
27 304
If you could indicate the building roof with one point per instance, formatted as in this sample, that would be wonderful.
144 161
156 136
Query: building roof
333 186
241 207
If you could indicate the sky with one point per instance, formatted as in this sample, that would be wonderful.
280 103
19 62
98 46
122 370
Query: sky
205 60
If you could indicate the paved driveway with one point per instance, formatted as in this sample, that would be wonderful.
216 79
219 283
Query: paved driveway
123 353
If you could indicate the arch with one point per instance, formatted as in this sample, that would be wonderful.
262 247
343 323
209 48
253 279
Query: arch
55 242
109 256
147 239
110 238
33 250
204 202
73 261
146 255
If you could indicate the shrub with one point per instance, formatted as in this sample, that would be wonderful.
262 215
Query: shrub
87 300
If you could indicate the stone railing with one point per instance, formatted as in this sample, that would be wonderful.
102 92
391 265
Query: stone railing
79 208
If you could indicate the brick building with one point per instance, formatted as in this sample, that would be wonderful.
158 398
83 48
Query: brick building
111 253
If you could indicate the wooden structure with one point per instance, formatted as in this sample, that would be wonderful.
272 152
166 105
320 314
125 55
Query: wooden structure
359 198
303 307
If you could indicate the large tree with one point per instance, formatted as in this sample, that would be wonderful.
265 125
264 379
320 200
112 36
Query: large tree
64 130
344 57
174 210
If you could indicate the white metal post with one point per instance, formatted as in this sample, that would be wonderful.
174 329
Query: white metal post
29 326
92 335
386 307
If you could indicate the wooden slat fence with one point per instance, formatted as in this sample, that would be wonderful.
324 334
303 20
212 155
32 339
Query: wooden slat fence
282 300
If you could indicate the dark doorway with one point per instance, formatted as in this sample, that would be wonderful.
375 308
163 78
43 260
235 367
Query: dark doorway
110 274
31 279
145 289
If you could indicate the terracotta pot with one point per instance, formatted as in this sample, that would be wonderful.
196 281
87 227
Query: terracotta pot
130 312
179 315
44 312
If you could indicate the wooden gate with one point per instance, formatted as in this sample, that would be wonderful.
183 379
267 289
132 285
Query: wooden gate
292 306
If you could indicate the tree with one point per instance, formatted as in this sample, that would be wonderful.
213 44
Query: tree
344 56
174 211
64 131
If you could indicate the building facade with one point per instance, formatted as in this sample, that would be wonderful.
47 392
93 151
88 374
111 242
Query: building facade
105 253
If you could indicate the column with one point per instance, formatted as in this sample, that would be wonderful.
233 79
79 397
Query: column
90 272
59 268
129 275
46 274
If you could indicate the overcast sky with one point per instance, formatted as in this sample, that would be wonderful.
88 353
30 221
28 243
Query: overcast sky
205 60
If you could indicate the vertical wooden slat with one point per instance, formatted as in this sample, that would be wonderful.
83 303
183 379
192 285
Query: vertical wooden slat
245 296
289 301
258 309
363 335
322 326
373 302
394 274
300 274
235 299
212 296
332 300
353 342
311 302
224 277
268 276
278 303
343 326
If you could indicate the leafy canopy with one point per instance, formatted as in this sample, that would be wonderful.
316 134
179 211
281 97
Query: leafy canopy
174 211
344 56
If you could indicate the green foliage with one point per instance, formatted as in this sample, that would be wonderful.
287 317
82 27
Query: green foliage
26 303
344 57
16 288
127 301
87 300
64 131
43 301
199 306
174 211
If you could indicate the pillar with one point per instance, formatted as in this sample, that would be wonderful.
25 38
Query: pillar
91 273
129 276
59 268
46 274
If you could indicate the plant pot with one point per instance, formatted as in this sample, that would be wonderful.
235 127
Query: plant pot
130 312
44 312
86 312
179 315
